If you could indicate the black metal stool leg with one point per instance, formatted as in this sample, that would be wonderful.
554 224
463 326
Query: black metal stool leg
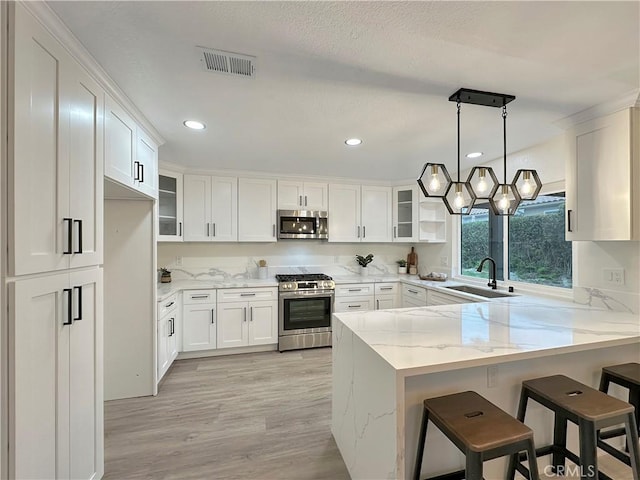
631 428
604 382
522 410
588 458
533 461
421 441
473 470
559 441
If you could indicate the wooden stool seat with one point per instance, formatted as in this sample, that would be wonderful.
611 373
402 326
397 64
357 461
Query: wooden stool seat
478 428
627 374
584 406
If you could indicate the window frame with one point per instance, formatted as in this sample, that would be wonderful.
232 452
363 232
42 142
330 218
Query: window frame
548 189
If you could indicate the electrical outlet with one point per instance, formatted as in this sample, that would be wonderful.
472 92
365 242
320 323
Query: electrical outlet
178 261
492 376
614 276
444 261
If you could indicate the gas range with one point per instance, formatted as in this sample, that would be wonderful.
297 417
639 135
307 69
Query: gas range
305 282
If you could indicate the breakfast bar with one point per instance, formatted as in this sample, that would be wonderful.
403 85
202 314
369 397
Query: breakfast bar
385 363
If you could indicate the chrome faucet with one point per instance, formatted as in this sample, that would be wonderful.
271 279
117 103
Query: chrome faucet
492 277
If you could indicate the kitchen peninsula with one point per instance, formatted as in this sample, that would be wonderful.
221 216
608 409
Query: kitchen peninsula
386 362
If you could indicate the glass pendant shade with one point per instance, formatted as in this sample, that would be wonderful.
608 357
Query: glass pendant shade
459 199
434 180
527 183
483 182
505 201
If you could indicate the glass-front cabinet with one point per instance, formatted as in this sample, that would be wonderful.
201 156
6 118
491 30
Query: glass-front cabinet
169 206
405 214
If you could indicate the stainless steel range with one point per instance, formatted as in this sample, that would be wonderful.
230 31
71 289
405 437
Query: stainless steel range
305 308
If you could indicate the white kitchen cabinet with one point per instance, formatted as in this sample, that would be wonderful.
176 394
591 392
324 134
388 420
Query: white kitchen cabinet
354 297
387 295
55 169
257 210
210 209
130 155
247 317
199 331
602 181
170 206
293 195
432 220
413 296
359 214
405 214
167 344
56 385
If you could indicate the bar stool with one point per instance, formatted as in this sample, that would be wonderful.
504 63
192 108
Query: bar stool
626 375
479 429
584 406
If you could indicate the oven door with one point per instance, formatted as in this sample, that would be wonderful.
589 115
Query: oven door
305 312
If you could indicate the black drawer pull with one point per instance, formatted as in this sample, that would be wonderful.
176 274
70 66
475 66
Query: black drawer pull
69 249
79 290
69 293
79 222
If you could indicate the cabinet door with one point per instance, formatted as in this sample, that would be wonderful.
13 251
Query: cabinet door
145 174
197 208
405 214
290 195
376 214
169 206
38 233
162 353
224 209
344 213
263 323
385 302
315 196
198 327
119 143
256 210
85 181
232 324
172 339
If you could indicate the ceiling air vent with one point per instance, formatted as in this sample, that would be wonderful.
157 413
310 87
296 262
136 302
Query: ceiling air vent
228 63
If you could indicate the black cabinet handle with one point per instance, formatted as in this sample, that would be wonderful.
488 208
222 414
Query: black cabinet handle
79 222
213 316
300 202
364 231
180 226
172 328
69 293
208 229
569 221
214 229
169 304
79 290
69 249
136 168
305 200
141 173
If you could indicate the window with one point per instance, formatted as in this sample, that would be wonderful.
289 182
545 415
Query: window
535 249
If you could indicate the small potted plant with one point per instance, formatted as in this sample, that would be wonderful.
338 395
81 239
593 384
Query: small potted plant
165 276
363 262
402 266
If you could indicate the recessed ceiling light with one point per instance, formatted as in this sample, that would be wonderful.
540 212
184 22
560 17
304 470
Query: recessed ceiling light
194 124
474 155
352 142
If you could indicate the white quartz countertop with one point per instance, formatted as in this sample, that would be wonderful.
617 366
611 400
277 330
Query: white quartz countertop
416 341
167 289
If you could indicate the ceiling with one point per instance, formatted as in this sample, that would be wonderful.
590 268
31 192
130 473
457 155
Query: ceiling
379 71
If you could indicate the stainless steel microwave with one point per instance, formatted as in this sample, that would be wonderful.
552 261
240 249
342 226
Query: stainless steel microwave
302 224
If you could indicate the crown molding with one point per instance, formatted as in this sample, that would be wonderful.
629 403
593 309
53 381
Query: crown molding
631 99
56 27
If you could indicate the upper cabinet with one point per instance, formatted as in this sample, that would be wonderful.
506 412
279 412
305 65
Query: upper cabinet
55 170
302 195
432 220
256 210
210 208
360 214
602 181
405 214
170 206
130 155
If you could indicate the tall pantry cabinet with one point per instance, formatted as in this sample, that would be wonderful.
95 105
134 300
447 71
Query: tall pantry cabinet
54 281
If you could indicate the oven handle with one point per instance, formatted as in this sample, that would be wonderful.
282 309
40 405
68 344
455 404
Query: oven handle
300 294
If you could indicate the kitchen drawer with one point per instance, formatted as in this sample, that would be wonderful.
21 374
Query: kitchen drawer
194 297
438 298
247 294
354 290
415 294
167 305
353 304
386 288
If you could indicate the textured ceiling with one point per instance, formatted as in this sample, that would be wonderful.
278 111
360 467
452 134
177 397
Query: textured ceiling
380 71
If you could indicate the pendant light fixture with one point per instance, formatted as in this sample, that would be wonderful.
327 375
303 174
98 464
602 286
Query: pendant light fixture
482 183
459 198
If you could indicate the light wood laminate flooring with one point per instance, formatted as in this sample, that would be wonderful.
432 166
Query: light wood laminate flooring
255 416
262 416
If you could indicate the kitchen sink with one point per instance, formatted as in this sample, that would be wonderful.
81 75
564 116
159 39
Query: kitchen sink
483 292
